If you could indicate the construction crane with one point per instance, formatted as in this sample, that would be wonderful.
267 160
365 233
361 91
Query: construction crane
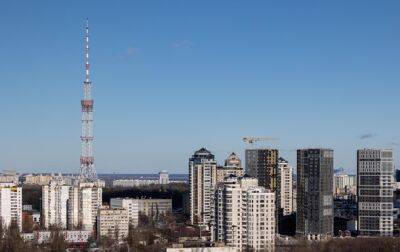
253 140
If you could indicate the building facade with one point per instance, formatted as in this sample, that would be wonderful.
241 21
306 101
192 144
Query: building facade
314 192
85 198
263 165
375 171
132 207
202 182
134 182
285 187
55 198
148 207
113 222
345 184
11 203
245 214
163 178
233 166
154 207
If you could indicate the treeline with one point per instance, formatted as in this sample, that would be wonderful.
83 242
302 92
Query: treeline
174 191
12 241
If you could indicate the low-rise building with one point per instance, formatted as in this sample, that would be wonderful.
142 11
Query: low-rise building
149 207
38 179
113 222
70 236
152 207
133 182
9 177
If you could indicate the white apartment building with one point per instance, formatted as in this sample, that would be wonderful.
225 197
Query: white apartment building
132 207
70 236
163 178
9 178
113 222
38 179
11 203
85 198
245 214
344 183
55 197
202 180
149 207
375 181
134 182
285 184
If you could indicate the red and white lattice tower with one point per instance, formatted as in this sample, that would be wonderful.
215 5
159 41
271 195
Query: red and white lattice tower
87 168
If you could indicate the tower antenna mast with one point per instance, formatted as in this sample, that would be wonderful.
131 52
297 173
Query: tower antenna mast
87 160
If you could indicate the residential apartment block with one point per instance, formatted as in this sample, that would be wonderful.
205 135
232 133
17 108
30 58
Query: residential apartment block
245 214
375 179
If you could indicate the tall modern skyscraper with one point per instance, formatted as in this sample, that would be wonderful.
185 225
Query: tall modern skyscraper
285 187
263 164
314 192
375 171
87 160
202 180
245 214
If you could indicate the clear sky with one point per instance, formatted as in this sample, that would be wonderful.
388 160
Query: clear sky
171 76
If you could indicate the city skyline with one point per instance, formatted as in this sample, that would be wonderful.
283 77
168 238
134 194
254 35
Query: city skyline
178 78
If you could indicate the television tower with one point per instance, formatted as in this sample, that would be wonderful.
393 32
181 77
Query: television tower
87 168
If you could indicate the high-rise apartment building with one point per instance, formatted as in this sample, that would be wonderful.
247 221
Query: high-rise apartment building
233 166
375 171
113 223
55 197
285 187
11 203
202 181
244 214
314 192
85 198
263 165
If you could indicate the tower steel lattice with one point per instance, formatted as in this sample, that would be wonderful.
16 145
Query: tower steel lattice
87 160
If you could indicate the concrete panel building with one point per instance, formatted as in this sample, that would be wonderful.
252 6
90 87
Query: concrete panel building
55 198
113 222
11 203
85 198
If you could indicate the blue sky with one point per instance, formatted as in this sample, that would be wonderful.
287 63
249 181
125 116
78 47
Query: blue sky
170 77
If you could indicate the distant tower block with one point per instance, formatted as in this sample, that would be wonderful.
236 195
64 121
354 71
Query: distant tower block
87 168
